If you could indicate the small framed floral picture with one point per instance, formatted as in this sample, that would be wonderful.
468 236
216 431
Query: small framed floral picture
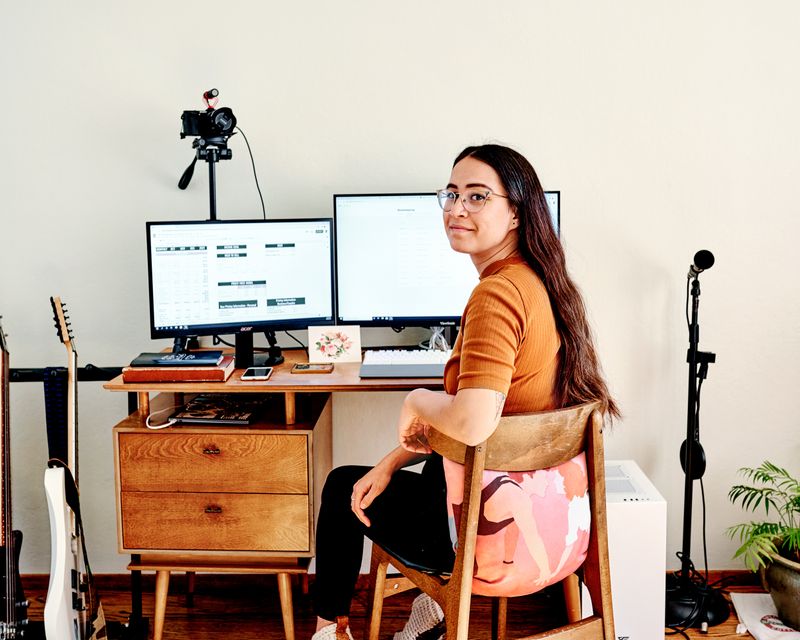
334 344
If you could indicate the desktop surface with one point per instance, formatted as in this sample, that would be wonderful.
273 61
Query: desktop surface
344 377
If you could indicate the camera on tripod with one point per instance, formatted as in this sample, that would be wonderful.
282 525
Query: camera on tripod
211 124
211 129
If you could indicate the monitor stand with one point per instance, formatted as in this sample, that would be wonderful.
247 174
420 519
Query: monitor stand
245 357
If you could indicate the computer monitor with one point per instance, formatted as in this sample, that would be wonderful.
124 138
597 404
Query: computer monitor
239 277
394 264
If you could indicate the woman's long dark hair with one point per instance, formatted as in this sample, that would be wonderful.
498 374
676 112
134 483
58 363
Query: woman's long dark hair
580 378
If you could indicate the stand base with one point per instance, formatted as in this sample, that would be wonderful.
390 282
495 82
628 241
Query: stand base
693 605
267 360
244 356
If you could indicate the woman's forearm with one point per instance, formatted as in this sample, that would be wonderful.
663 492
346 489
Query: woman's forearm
399 458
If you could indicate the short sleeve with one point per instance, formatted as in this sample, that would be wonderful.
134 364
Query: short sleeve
491 333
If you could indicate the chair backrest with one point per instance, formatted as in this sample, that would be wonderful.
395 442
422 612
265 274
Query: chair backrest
527 442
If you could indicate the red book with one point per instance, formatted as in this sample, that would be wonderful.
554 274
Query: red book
219 373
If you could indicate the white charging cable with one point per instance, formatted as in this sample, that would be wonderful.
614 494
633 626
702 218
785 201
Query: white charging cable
166 424
438 342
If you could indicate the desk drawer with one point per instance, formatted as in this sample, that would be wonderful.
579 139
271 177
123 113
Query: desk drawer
215 521
245 463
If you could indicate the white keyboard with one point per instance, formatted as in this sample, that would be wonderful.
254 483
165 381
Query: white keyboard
404 363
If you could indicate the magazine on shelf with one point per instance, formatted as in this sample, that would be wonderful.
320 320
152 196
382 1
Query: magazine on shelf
221 408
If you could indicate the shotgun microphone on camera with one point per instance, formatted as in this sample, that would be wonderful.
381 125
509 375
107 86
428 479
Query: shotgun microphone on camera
703 260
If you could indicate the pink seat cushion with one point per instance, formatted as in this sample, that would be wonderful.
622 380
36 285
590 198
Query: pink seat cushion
533 528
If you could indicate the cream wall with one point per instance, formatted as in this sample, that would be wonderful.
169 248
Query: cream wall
668 127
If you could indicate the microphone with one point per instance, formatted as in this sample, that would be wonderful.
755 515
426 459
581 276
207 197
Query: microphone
210 94
703 260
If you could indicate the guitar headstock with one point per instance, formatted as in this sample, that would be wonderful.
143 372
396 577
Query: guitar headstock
63 325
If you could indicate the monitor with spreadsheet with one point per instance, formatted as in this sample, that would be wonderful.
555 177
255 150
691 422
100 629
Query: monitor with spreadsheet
394 264
235 277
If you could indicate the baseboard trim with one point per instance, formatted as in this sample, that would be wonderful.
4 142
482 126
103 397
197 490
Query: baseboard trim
122 581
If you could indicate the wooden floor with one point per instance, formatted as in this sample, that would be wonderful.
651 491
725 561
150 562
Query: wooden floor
247 607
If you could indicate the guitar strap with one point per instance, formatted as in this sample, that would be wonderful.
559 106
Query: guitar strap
55 410
97 624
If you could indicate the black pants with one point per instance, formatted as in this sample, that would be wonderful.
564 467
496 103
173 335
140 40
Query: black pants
409 518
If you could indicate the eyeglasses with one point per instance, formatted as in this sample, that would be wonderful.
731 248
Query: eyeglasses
473 199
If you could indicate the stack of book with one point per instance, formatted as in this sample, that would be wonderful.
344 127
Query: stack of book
195 366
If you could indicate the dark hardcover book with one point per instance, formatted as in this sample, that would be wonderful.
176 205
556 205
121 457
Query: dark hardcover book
220 408
191 359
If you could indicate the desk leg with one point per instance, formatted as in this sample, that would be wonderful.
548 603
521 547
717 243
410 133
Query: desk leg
162 589
190 583
136 593
285 591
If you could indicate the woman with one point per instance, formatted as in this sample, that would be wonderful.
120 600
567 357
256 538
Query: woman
524 345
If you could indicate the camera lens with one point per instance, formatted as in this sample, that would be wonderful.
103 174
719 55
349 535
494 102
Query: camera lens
223 121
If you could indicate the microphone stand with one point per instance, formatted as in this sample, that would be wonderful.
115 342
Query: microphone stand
690 602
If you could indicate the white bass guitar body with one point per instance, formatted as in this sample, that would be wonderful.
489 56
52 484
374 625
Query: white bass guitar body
61 615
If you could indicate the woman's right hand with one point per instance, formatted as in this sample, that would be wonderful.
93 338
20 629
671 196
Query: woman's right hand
369 487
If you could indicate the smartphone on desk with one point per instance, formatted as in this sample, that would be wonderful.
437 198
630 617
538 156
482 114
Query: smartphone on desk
257 373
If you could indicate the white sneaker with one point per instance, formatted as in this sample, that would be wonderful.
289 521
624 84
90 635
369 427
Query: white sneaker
339 630
426 621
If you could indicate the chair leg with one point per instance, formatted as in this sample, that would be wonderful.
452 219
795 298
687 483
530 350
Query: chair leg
285 592
162 589
499 618
377 587
572 597
456 614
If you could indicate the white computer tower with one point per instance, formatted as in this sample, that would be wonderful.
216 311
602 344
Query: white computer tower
637 541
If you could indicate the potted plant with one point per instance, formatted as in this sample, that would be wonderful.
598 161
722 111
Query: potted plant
772 547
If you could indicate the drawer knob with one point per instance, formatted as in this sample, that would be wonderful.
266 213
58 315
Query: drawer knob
211 451
213 509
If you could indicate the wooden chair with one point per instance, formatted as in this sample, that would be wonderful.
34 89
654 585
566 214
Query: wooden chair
520 443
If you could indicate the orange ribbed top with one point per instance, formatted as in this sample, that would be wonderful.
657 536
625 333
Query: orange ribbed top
508 340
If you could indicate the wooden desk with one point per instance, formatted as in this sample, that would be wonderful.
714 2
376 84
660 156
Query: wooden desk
208 498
